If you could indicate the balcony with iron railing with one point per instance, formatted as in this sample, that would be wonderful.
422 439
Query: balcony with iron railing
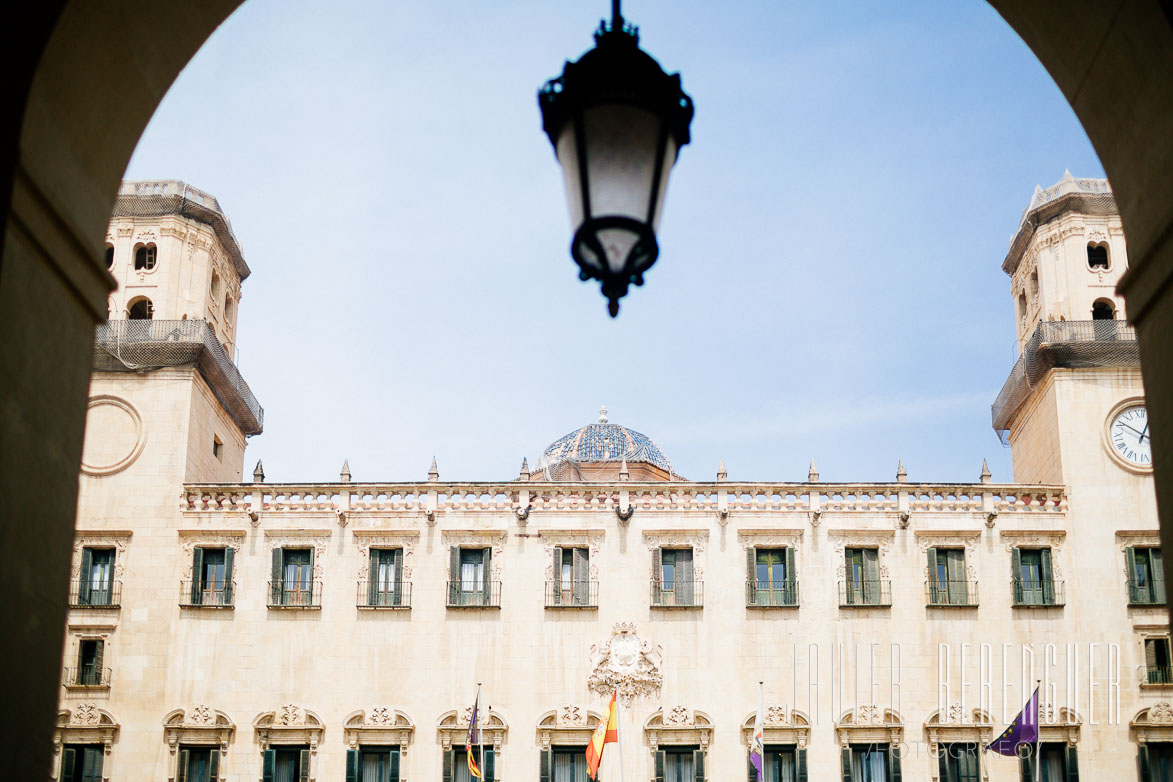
678 594
771 594
1038 593
474 594
865 593
200 594
1157 675
87 676
295 594
1146 591
572 594
86 593
951 594
376 595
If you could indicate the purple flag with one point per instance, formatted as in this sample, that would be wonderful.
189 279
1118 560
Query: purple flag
1024 729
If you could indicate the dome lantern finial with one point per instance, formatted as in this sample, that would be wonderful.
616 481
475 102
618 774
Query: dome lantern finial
603 414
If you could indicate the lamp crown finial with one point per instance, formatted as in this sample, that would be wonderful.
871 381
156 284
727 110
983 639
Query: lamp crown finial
603 414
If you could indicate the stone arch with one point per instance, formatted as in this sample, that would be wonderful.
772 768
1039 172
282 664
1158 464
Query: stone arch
76 83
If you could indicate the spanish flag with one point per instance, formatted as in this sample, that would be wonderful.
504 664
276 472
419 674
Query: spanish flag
608 731
474 738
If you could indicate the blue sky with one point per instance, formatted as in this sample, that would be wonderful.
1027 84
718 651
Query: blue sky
828 285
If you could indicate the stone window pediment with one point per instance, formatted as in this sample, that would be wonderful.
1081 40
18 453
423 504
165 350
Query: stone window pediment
567 726
1153 724
84 724
289 725
380 726
452 728
779 726
678 726
202 726
959 728
869 725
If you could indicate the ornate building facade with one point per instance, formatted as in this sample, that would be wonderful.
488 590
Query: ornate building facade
236 629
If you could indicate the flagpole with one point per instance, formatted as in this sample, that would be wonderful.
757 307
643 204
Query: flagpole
619 734
481 739
1038 730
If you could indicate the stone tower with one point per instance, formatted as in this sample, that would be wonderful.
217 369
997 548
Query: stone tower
167 404
1072 409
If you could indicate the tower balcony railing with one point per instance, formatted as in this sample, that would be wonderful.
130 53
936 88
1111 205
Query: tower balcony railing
86 593
572 594
678 594
153 344
1064 343
376 594
960 594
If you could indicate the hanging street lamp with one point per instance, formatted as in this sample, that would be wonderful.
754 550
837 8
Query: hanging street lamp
617 122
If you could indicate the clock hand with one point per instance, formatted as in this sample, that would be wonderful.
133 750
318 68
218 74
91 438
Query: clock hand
1134 431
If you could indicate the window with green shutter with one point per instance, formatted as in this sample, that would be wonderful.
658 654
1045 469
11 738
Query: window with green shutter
1146 576
781 763
470 577
372 764
1056 763
211 577
456 764
959 762
82 762
861 584
948 584
869 763
292 580
571 584
771 577
1157 661
385 578
197 764
96 580
1033 578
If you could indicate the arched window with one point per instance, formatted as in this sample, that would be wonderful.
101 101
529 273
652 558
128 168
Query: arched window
140 309
109 256
228 310
1102 309
215 287
1022 306
144 257
1097 256
1034 285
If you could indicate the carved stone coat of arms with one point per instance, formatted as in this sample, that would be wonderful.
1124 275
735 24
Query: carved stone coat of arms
626 663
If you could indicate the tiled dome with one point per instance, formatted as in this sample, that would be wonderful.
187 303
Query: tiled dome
604 442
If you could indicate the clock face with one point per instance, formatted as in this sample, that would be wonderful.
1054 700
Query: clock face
1128 435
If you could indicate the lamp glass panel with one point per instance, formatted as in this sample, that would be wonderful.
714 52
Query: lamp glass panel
621 159
567 151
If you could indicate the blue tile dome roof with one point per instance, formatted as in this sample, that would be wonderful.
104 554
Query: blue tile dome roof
604 442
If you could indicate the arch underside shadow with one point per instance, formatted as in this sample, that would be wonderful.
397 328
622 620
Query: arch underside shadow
84 78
